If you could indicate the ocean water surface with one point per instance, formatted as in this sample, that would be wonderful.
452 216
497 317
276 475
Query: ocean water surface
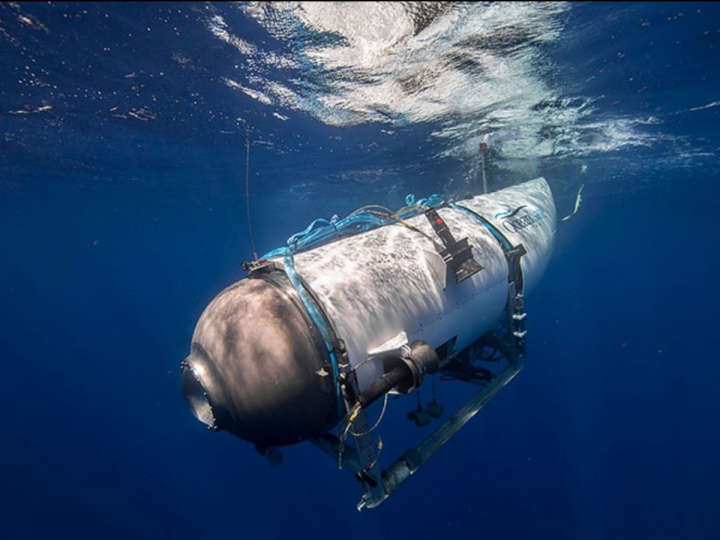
125 131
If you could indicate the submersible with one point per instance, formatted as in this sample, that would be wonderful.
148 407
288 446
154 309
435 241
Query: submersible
323 328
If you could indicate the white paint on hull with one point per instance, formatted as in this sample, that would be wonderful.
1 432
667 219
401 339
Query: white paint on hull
377 284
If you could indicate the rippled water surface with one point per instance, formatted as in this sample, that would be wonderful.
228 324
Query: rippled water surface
125 133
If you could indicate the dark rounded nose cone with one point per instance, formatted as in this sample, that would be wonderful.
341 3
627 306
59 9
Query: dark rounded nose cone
257 359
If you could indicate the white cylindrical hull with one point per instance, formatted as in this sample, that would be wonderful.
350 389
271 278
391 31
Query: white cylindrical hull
380 284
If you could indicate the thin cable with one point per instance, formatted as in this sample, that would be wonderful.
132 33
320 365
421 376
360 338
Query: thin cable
377 456
377 422
369 207
343 438
401 221
348 427
247 189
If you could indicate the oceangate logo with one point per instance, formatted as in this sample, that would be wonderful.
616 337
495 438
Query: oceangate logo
515 220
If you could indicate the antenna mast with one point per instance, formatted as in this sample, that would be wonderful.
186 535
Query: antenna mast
483 150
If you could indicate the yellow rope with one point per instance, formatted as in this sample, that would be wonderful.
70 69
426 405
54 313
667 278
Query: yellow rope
578 200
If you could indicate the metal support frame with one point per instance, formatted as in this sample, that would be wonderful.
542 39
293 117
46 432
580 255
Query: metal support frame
361 458
511 343
413 458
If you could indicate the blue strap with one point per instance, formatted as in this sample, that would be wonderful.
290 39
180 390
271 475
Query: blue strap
500 237
317 318
321 226
322 230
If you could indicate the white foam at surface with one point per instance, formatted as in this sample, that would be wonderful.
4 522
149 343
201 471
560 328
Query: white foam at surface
474 69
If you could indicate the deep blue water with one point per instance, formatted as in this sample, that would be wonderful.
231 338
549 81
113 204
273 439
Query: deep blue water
122 214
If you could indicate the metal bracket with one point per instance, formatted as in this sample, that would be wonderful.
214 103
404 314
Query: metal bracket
457 253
